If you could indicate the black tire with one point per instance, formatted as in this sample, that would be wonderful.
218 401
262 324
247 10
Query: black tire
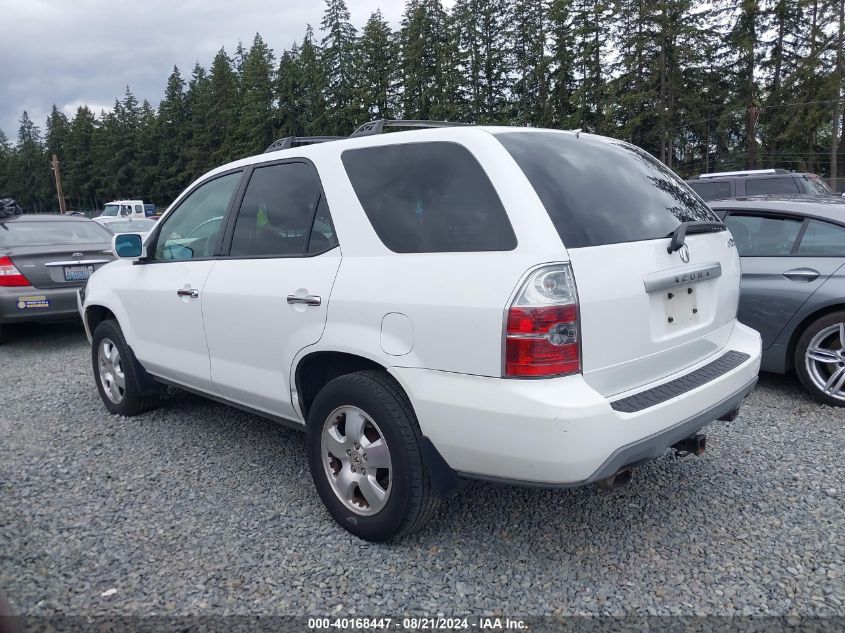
2 334
411 502
140 392
808 382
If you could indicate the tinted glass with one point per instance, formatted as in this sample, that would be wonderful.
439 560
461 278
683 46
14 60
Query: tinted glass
757 236
52 233
815 185
277 211
191 230
323 237
786 184
712 190
822 239
429 198
602 191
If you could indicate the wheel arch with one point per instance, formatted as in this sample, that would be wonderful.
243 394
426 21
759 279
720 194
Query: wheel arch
317 368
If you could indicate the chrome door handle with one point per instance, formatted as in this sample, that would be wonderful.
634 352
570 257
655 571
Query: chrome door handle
188 292
802 274
309 300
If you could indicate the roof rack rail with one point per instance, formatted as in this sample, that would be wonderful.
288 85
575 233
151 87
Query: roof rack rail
377 127
743 172
298 141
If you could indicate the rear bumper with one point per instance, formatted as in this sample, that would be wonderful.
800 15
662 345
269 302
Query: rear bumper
27 303
561 432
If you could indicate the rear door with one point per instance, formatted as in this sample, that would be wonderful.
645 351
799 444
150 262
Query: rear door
785 259
644 312
268 296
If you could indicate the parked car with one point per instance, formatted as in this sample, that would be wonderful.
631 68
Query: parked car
734 184
118 210
44 260
140 226
525 306
793 285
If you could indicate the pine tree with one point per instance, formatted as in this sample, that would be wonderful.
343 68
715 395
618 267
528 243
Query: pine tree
56 135
223 94
528 38
483 38
378 57
289 94
314 112
562 63
79 178
255 115
201 143
338 55
172 119
31 174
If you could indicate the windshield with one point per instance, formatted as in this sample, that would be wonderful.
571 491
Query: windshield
599 191
111 210
23 233
135 226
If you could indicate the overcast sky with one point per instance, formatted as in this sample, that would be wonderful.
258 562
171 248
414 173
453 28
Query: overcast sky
74 52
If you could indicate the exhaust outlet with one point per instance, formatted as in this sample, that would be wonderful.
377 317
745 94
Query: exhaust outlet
619 479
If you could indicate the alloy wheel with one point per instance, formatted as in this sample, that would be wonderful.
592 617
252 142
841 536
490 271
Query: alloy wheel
825 361
112 377
356 460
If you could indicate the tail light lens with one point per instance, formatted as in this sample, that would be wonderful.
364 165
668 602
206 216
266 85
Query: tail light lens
11 276
541 333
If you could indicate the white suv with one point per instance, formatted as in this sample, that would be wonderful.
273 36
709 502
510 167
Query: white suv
526 306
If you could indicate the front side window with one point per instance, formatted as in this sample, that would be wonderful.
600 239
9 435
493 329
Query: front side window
191 230
759 186
601 191
763 236
277 215
428 198
822 239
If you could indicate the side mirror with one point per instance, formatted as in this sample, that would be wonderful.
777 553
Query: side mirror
128 246
843 194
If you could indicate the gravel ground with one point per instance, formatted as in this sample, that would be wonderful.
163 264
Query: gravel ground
201 509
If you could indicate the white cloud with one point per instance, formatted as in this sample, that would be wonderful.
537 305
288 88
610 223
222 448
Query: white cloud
72 52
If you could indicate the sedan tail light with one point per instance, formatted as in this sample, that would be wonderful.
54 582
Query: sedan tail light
11 276
541 332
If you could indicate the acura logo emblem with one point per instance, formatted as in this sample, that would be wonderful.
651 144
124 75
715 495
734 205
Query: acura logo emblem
78 255
684 253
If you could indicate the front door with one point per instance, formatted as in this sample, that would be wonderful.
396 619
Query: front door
163 294
267 297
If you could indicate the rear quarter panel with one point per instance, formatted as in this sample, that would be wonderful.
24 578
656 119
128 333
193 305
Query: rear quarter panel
455 302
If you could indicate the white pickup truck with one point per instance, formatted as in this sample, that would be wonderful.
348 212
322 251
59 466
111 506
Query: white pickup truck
121 210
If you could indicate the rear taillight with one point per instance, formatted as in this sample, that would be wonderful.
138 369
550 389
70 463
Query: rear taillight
541 332
9 275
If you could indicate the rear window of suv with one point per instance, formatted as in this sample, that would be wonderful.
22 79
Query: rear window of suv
429 197
601 191
712 190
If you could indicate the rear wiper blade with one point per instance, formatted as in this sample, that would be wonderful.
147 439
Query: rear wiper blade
679 234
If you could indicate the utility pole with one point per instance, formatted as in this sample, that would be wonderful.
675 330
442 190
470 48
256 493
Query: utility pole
58 178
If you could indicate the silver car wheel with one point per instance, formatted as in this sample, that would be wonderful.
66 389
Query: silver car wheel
825 361
356 460
111 371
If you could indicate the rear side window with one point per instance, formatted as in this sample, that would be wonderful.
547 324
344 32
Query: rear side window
822 239
602 191
712 190
428 198
755 186
278 212
762 236
815 185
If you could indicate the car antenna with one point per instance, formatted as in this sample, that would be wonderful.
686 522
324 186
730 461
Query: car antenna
577 132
